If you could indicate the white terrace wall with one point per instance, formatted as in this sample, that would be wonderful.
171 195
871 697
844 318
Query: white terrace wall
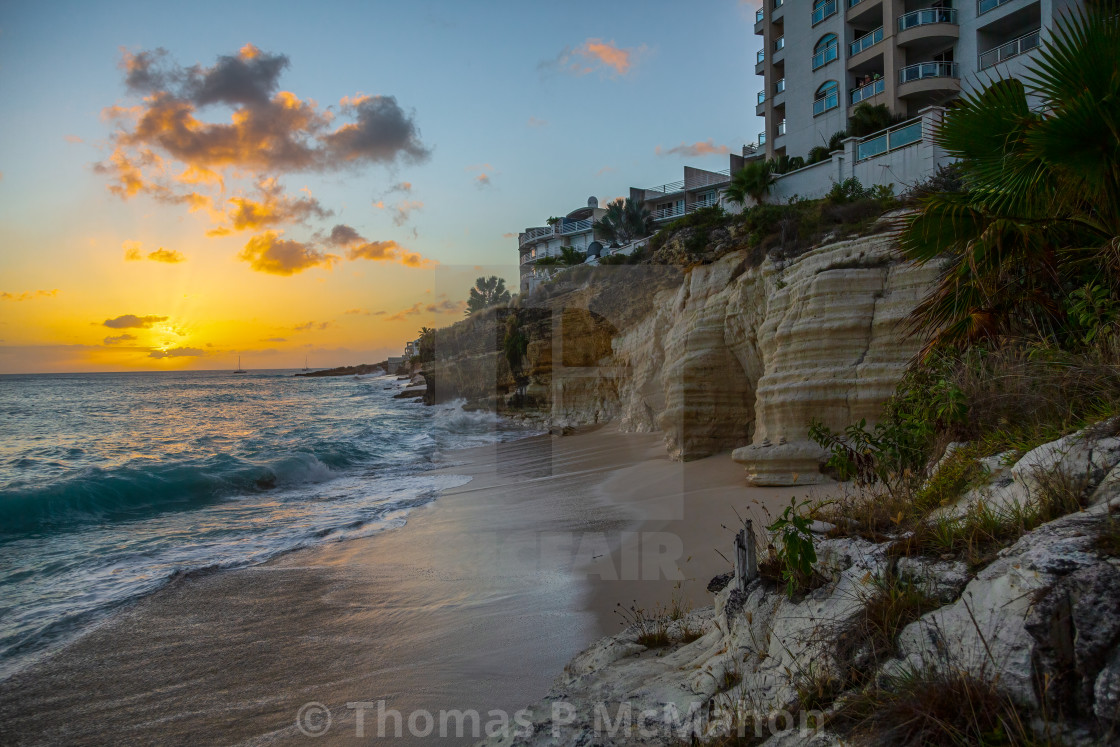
903 167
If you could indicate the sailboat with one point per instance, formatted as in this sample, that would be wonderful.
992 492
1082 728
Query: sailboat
305 368
239 368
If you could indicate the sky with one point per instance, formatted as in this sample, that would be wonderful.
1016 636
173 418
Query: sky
183 184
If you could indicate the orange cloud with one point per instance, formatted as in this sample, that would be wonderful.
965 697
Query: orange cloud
119 339
358 247
705 148
596 54
132 253
272 208
276 256
166 255
130 321
28 295
418 308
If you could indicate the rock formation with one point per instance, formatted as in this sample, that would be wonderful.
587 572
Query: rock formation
735 354
1040 624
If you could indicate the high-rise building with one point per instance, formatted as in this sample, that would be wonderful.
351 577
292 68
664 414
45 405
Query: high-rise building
822 58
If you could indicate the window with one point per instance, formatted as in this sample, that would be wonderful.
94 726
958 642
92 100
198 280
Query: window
825 50
828 97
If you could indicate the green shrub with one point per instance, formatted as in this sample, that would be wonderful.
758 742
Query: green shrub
795 550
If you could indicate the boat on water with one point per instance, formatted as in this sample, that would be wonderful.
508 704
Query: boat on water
305 368
239 368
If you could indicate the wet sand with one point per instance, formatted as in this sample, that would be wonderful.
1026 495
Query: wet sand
476 603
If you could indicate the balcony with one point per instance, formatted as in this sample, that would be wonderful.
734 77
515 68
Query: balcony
865 42
675 211
781 129
1013 48
924 70
780 86
828 102
898 136
863 93
929 80
762 138
761 97
927 24
823 11
983 6
825 56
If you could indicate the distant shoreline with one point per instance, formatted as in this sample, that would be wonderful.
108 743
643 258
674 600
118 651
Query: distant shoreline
359 370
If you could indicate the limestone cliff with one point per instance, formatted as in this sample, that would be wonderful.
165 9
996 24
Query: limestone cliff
735 354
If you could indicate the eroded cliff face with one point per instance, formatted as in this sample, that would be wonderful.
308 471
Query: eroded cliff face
728 355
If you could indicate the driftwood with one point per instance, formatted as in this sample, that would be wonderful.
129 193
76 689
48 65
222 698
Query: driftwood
746 561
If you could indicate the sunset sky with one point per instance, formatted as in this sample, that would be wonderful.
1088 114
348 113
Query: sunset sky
184 183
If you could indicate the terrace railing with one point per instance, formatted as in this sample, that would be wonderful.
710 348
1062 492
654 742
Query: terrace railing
983 6
1013 48
826 55
929 70
927 16
865 41
823 11
873 88
893 138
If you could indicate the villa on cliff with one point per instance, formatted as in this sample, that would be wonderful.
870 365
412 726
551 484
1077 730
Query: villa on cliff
575 230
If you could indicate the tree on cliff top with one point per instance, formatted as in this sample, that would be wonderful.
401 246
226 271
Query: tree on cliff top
1032 247
624 221
487 292
753 181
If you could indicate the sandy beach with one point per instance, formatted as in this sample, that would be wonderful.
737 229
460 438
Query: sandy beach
476 603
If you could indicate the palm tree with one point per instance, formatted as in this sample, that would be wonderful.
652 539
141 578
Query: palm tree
867 119
1041 211
487 292
753 181
624 221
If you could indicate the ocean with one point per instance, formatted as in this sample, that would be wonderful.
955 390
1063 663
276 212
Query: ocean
112 484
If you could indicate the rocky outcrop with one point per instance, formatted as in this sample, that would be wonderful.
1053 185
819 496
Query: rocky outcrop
1040 624
735 354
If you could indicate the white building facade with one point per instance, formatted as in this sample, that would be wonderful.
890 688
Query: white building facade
822 58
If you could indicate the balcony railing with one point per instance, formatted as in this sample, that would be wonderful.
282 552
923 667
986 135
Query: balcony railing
780 86
780 43
779 3
871 89
926 17
825 56
823 11
762 138
829 101
575 226
670 212
761 97
929 70
699 179
854 3
758 16
899 136
781 129
761 56
1013 48
865 41
983 6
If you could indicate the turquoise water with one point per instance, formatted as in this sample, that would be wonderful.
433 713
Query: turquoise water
110 484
